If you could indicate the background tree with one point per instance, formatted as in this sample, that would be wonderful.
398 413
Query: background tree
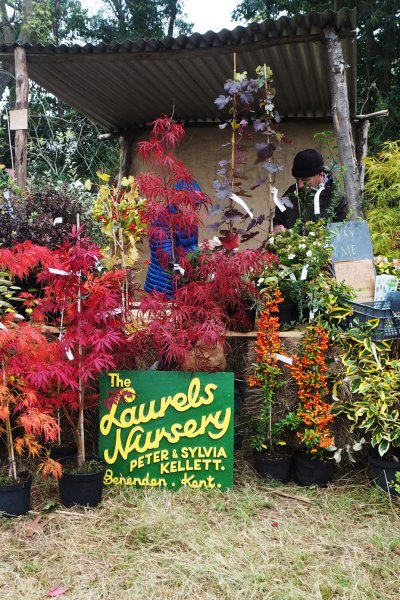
133 19
378 74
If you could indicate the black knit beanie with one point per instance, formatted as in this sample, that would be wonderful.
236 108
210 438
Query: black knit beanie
307 163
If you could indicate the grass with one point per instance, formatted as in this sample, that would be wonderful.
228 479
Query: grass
342 542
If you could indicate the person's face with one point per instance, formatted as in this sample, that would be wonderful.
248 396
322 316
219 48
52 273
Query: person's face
311 182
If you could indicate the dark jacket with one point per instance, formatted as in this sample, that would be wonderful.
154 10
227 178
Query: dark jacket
159 278
303 206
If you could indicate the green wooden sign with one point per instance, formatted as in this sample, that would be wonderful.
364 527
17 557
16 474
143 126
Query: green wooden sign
167 429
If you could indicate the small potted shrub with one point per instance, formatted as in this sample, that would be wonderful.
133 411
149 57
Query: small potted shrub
272 459
314 417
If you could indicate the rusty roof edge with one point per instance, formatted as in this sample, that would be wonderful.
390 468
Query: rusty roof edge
344 22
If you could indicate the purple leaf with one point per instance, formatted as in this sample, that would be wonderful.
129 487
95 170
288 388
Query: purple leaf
248 236
222 101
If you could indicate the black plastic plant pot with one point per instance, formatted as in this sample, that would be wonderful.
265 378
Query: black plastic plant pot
62 451
288 313
15 498
277 467
81 489
313 472
383 472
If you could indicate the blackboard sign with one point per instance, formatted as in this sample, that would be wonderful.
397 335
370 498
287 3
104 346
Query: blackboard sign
351 241
167 429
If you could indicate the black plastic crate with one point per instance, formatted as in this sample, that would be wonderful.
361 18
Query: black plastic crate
389 321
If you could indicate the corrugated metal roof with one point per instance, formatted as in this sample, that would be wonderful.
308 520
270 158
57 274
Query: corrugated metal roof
125 85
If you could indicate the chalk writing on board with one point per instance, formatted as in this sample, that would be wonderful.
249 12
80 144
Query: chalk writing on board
351 241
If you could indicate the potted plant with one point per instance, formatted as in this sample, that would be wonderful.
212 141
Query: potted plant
314 415
372 401
25 416
271 456
86 307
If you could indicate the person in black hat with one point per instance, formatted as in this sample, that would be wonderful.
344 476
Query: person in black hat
312 197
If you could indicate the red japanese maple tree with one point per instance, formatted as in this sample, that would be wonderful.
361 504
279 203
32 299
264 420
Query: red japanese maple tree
85 307
209 287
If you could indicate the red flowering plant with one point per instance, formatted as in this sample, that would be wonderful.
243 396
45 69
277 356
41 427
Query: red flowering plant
268 432
314 416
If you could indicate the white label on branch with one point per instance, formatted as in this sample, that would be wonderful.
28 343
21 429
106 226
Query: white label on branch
69 354
292 276
374 352
59 272
6 195
57 220
180 269
317 207
276 200
285 359
242 203
304 273
2 326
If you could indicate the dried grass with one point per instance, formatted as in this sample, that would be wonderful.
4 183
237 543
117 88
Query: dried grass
250 543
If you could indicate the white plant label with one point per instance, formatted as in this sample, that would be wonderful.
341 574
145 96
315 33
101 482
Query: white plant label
242 203
276 200
285 359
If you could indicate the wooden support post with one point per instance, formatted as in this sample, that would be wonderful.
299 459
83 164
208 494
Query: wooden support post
342 124
125 156
21 135
362 148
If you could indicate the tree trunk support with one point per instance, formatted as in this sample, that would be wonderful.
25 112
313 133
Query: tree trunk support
125 156
21 135
362 148
342 124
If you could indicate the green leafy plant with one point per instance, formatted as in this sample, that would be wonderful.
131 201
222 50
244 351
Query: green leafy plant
382 204
303 253
372 381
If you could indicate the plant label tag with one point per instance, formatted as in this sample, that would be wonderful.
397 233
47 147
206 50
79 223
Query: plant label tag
57 220
6 195
242 203
2 326
276 200
285 359
317 207
59 272
179 268
374 352
304 273
292 277
69 354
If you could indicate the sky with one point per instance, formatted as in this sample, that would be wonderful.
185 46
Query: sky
205 14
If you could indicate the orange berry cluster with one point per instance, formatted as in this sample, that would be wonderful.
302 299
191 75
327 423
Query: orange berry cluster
268 342
310 373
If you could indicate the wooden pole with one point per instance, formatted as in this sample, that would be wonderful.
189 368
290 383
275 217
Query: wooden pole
21 135
362 129
342 124
125 156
